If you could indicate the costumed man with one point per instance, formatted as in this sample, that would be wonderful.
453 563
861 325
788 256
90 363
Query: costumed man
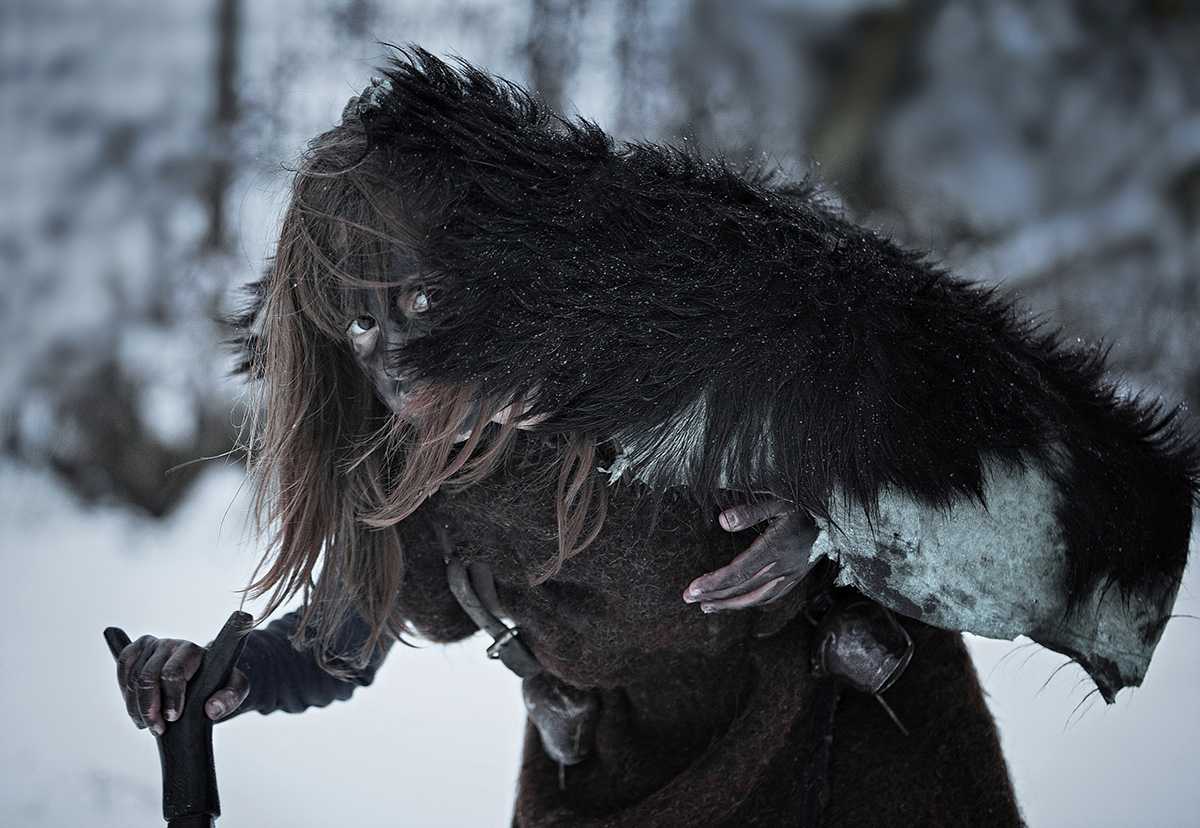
518 377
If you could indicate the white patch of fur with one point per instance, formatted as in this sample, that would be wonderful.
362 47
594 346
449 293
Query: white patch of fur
998 571
995 571
666 453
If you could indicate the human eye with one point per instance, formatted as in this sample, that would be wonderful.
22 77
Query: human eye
414 302
360 326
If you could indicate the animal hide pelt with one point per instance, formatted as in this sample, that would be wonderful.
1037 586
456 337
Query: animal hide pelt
970 467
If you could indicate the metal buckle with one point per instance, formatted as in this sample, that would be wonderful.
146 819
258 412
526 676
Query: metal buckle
506 638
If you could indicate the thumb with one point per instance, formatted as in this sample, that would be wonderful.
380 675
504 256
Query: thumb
229 698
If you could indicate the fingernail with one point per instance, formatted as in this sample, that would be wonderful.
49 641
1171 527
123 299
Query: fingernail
171 715
216 710
692 595
728 522
707 608
160 728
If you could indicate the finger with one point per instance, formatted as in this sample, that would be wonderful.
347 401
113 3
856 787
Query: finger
127 663
789 583
737 518
176 673
752 568
117 640
125 660
756 597
732 584
149 691
229 698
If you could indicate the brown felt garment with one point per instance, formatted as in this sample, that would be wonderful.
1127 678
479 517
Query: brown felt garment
705 718
728 331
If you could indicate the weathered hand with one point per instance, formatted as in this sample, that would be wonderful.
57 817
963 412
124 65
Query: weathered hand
153 675
769 569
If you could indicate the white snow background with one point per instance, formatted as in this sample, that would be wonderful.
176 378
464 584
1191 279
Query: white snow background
436 740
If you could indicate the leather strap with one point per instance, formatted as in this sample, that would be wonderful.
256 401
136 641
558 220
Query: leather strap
475 590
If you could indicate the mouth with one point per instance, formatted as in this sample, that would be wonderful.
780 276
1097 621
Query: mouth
400 401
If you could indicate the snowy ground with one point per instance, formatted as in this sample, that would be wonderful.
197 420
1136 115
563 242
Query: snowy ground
1036 141
435 741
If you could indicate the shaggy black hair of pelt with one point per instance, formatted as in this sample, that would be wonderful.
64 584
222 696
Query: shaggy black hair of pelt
638 289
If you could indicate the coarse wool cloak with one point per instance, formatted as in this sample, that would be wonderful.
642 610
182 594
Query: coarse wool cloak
715 335
705 719
967 466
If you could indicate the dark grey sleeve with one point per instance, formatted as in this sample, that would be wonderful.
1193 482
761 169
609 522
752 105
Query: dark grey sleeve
284 678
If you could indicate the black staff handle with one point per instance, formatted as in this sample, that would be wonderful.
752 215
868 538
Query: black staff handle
189 777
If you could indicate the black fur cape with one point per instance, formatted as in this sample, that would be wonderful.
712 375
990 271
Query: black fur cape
726 333
715 332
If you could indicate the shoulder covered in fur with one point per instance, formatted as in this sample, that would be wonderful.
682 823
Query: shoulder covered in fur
632 283
725 332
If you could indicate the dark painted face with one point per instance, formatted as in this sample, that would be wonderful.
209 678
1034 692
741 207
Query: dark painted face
387 321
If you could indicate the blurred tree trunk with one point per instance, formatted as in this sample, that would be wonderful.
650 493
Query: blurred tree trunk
355 18
715 75
225 114
693 84
631 56
553 47
878 52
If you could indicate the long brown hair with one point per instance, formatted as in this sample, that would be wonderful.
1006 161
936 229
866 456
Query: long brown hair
334 470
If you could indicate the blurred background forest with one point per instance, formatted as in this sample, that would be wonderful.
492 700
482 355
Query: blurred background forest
1052 147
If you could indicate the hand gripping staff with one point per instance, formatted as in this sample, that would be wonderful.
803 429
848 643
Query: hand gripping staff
189 777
